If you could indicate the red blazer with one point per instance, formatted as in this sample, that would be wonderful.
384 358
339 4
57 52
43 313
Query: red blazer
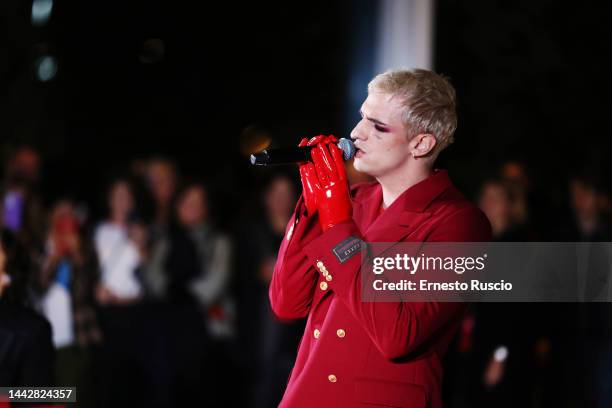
356 353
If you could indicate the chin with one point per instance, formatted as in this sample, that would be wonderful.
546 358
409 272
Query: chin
359 166
362 167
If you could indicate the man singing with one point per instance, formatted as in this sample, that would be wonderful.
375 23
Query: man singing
356 353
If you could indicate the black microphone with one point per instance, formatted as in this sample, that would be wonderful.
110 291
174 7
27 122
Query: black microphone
290 155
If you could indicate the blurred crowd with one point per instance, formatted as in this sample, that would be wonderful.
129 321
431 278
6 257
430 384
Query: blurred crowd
147 304
538 354
150 302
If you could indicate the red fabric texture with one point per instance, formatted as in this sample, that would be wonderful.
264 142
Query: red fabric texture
355 353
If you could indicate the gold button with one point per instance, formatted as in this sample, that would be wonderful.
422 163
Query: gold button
341 333
323 285
332 378
328 277
325 273
319 264
316 333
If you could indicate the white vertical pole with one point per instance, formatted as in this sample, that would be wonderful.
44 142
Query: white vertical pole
405 35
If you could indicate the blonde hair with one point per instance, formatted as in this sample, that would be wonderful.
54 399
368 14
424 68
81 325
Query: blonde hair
429 102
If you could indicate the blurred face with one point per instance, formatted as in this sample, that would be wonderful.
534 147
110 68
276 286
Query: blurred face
280 197
191 209
121 201
27 163
494 203
515 172
584 200
63 208
380 136
161 181
64 228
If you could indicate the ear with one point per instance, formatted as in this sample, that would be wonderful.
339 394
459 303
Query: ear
423 144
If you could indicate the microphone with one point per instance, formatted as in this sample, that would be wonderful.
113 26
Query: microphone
290 155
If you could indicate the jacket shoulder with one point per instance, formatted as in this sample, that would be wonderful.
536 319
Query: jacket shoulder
460 219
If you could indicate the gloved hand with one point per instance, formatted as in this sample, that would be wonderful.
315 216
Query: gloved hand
324 182
307 176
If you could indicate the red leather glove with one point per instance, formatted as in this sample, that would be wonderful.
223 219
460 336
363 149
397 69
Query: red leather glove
324 182
307 176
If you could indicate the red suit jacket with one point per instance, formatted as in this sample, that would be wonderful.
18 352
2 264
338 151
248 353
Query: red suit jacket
356 353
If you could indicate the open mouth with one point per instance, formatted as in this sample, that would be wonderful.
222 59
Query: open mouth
359 152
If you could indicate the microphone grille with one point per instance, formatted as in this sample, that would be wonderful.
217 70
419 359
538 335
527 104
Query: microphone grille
347 147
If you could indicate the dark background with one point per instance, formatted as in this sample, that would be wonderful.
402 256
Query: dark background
224 68
532 80
533 85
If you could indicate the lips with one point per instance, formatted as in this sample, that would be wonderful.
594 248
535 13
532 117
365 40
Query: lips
359 152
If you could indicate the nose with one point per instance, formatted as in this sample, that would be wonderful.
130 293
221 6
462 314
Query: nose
356 133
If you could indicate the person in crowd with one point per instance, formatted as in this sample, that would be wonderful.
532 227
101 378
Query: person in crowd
591 224
514 175
23 212
588 199
120 243
190 268
65 286
161 179
26 350
500 362
192 263
531 209
506 209
133 355
272 342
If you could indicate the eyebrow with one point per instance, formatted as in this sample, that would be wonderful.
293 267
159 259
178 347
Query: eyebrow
378 122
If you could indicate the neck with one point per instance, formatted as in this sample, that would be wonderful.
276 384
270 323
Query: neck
393 185
118 219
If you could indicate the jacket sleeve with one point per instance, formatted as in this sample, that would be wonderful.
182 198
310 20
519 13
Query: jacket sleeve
294 277
396 328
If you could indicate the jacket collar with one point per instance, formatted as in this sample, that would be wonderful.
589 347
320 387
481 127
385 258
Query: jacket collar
418 197
407 211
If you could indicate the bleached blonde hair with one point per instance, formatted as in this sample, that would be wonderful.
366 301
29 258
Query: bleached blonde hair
429 102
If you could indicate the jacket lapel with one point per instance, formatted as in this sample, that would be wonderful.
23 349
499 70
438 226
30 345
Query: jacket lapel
401 219
366 210
408 212
394 227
